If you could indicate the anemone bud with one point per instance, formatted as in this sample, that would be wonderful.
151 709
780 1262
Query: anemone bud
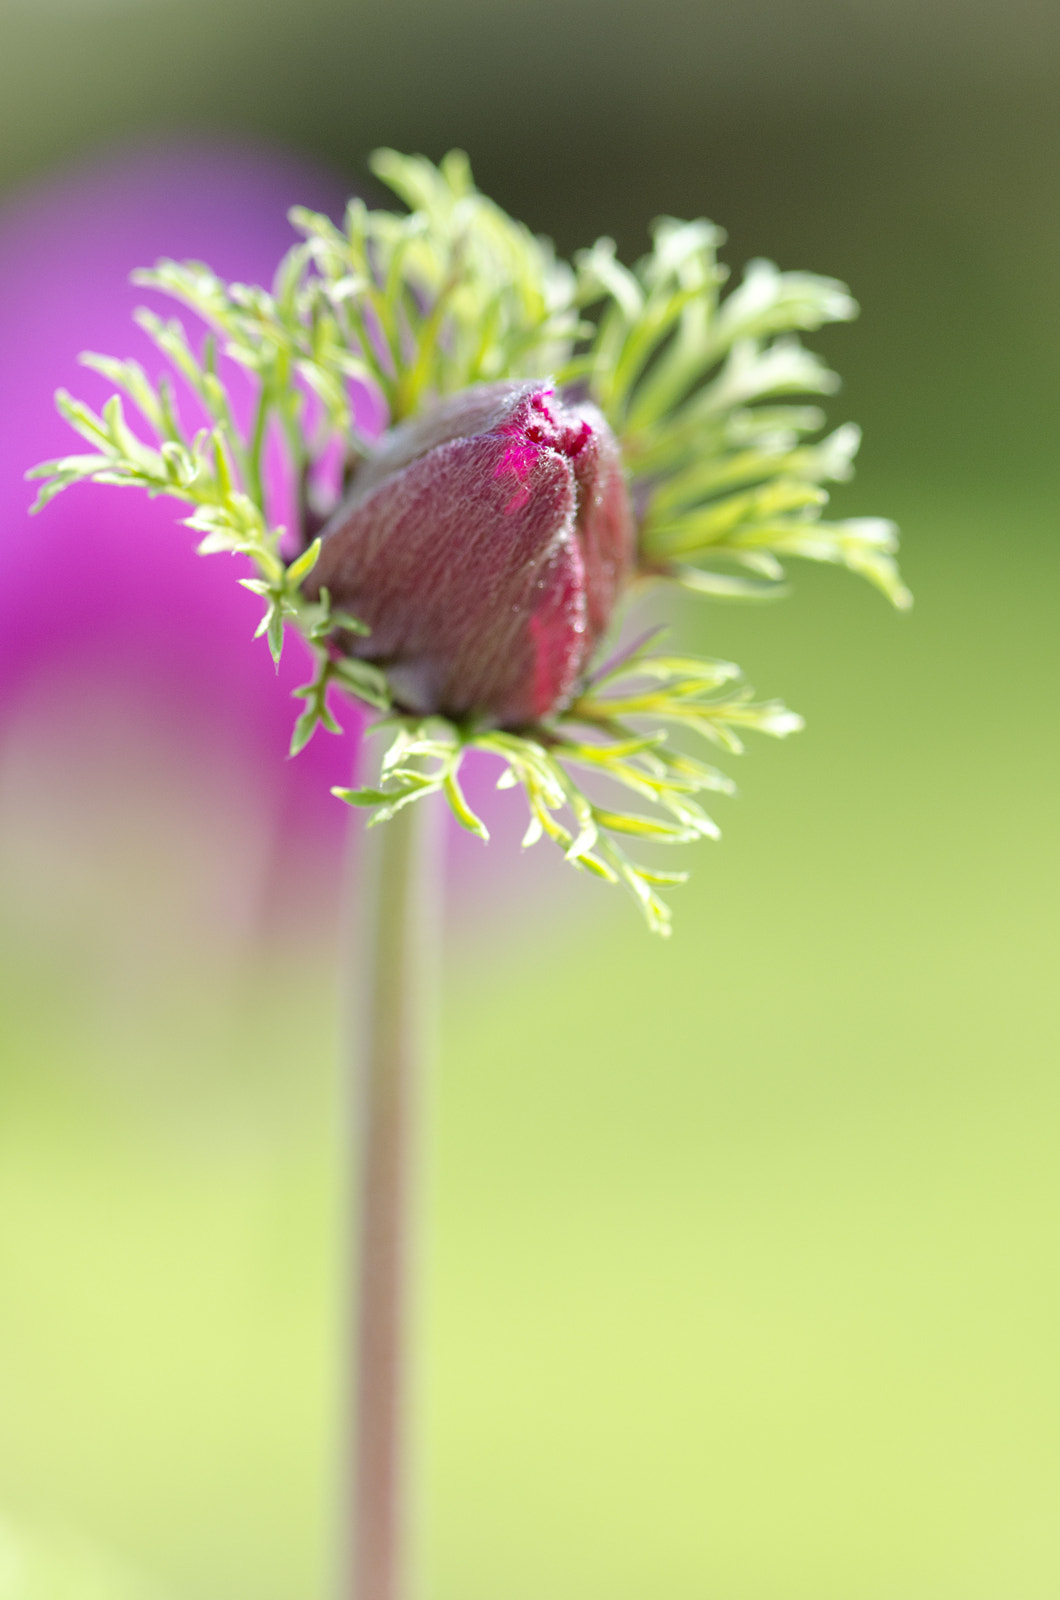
485 544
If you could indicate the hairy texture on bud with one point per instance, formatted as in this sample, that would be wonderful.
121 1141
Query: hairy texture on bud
485 544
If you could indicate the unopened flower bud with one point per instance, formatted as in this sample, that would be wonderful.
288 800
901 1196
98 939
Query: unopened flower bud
485 545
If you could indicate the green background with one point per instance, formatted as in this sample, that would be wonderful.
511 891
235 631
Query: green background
740 1278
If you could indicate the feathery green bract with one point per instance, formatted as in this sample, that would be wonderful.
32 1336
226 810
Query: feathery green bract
707 394
594 740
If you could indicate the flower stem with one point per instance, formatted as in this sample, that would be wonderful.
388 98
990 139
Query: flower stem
397 938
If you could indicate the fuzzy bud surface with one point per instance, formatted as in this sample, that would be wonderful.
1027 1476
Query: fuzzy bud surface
485 544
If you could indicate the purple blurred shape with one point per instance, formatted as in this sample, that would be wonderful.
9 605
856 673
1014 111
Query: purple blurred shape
104 586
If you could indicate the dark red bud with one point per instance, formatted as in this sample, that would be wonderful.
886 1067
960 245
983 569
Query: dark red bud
485 544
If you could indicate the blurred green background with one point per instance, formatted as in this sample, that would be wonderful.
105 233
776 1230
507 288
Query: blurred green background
741 1272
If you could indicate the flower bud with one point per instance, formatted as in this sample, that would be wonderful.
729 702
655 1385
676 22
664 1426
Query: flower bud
485 545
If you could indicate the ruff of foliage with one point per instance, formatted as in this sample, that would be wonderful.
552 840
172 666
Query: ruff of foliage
706 395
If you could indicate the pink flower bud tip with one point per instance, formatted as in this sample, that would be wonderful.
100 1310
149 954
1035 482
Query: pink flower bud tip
485 544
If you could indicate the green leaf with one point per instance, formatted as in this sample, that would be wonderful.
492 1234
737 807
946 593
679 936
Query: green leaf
303 566
724 585
642 827
274 632
461 810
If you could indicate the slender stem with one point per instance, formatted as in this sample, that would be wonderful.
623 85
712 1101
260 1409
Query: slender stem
396 938
255 488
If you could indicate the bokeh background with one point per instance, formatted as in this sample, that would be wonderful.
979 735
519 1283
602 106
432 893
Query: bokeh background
740 1277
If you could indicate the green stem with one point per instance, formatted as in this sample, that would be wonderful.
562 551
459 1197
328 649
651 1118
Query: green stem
255 488
397 938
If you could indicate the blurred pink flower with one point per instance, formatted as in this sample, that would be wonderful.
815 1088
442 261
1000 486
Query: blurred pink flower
105 594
